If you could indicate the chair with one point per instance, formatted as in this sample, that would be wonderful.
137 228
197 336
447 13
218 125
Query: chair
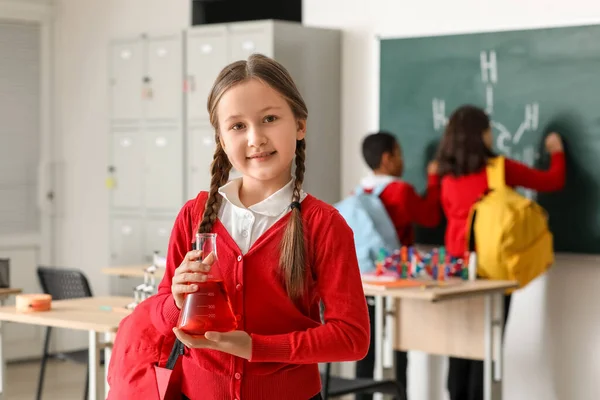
63 284
336 386
4 272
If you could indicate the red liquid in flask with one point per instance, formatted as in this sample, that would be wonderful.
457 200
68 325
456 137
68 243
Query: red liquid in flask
207 309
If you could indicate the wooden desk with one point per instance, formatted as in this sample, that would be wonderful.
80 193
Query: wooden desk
98 315
461 319
132 271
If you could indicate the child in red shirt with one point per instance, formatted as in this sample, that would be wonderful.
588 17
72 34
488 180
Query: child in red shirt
463 155
281 252
406 207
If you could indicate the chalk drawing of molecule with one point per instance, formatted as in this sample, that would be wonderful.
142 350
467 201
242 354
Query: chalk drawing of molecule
505 139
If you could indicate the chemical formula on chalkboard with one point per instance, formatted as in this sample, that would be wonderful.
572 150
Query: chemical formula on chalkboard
505 138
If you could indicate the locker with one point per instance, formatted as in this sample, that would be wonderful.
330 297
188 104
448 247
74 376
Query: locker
126 169
163 162
207 54
200 152
157 235
163 80
127 64
245 40
126 240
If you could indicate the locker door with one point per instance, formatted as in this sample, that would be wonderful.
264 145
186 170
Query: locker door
126 72
199 154
245 41
126 241
126 169
164 78
207 54
163 180
157 233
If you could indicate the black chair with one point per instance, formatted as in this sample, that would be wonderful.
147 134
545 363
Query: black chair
63 284
334 386
4 272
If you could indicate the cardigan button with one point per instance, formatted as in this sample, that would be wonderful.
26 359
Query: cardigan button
238 287
239 258
238 376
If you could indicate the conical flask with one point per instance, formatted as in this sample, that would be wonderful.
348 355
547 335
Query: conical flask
208 308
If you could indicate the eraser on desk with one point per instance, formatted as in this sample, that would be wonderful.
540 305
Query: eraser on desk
33 302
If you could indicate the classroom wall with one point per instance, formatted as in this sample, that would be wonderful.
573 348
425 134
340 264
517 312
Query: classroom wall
552 346
552 351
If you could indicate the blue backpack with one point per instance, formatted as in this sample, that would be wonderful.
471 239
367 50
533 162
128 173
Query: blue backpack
373 229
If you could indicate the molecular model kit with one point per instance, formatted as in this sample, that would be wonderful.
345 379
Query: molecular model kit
410 263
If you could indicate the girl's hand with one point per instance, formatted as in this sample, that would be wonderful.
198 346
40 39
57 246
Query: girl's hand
189 272
237 343
554 143
432 168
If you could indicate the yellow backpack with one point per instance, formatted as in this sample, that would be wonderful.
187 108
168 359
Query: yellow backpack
509 232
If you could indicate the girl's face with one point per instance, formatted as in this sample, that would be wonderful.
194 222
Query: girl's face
488 138
258 132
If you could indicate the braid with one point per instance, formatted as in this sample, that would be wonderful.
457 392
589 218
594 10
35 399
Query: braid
220 168
292 259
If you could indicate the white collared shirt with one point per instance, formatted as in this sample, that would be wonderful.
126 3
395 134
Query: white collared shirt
246 225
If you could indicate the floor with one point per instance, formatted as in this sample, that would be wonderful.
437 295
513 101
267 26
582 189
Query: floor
64 380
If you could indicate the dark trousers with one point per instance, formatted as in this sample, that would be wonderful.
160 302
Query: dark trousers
366 366
465 377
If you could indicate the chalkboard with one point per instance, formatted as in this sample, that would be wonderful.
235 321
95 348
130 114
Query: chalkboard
531 82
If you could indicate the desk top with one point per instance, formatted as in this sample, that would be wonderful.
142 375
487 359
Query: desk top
101 314
4 292
132 271
452 290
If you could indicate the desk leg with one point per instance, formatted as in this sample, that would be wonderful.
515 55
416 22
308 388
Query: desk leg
107 353
379 315
2 359
494 359
95 375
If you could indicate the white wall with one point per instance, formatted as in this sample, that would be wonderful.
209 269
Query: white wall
553 334
552 352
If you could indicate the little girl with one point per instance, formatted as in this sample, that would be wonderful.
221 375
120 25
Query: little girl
281 252
463 156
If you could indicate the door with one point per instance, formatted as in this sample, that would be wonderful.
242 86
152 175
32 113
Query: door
163 80
126 169
163 176
207 54
126 73
247 39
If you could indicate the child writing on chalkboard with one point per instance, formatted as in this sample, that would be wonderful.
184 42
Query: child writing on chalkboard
406 207
463 154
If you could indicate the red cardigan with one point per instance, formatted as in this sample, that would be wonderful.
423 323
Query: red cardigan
406 208
288 340
460 193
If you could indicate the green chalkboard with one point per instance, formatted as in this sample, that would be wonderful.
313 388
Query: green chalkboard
531 82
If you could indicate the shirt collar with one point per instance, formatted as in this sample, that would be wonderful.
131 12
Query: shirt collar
373 180
272 206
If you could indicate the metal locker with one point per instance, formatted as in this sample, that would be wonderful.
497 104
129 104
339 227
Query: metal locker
127 67
200 152
207 54
126 241
157 234
163 164
125 170
246 40
163 80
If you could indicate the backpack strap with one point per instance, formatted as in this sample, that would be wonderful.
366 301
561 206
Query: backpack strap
495 173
